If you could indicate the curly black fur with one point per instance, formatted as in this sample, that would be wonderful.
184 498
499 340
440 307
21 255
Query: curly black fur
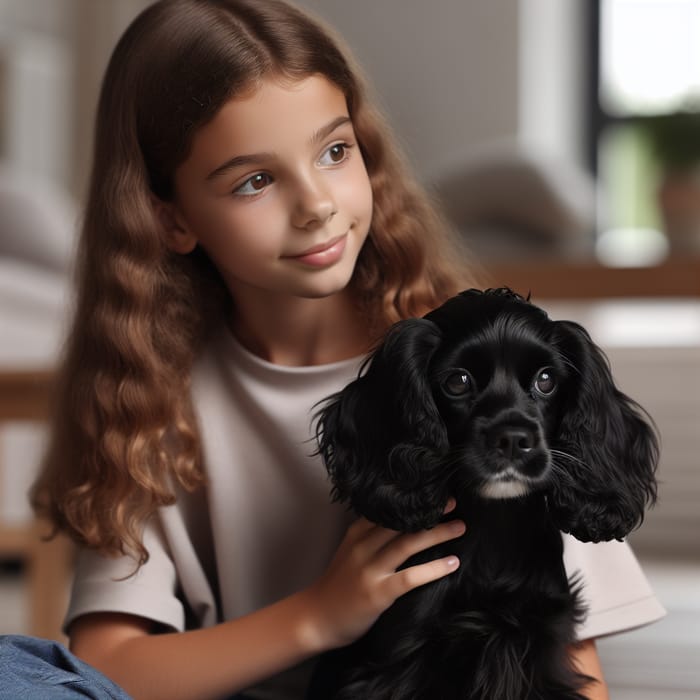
517 416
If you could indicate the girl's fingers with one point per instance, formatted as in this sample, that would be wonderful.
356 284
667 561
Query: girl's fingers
372 537
451 505
386 550
403 547
369 537
359 529
362 579
407 579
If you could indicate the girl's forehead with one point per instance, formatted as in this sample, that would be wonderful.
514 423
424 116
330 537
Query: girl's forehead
273 117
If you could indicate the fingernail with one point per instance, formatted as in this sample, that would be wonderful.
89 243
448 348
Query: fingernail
452 562
457 527
451 505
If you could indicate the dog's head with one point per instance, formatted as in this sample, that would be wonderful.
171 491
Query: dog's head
487 396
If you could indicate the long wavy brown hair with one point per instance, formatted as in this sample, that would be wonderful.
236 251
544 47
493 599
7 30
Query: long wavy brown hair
124 436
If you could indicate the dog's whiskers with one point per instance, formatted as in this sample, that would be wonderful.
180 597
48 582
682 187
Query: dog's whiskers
569 457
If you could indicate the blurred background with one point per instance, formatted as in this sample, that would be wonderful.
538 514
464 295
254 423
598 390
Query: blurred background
562 138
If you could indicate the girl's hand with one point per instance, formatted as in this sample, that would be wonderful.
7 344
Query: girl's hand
362 579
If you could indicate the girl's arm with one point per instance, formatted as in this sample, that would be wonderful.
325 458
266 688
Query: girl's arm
587 661
360 583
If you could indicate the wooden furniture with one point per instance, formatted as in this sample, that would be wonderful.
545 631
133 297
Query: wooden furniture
551 279
24 396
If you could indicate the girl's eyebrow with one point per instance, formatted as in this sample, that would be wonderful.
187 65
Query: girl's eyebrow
236 161
259 158
329 128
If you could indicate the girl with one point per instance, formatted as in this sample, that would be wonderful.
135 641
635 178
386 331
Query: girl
250 232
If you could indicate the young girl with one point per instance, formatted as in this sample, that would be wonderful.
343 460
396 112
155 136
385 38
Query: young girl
250 232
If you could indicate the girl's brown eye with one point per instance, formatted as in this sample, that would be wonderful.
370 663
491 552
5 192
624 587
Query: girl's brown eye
334 154
545 382
259 181
337 152
254 184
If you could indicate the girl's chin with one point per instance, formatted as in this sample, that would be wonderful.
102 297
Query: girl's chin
323 291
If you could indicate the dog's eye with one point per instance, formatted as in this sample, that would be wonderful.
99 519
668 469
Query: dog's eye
457 383
545 382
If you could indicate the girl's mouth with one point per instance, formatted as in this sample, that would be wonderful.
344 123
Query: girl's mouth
323 254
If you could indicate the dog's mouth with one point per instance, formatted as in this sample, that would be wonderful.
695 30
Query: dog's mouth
507 483
513 479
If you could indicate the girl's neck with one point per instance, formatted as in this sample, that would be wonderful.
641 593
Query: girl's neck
298 332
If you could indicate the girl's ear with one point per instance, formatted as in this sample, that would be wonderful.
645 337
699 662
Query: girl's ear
178 236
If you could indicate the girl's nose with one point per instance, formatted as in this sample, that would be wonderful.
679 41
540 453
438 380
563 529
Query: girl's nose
314 206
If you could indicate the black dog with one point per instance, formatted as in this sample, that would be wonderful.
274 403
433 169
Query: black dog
515 415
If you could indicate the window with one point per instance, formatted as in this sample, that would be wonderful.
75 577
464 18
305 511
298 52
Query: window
645 131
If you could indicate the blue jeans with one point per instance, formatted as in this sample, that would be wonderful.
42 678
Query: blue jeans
39 669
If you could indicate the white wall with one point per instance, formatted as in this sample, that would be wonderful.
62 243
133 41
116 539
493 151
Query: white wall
551 74
446 71
52 57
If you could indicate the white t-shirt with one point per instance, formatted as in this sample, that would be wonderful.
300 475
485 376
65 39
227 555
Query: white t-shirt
265 526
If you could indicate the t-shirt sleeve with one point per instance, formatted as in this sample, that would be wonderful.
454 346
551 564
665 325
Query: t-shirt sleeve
104 584
614 589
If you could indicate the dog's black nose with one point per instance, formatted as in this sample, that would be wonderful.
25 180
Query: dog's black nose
513 442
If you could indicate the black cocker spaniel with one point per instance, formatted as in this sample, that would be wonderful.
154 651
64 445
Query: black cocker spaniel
517 417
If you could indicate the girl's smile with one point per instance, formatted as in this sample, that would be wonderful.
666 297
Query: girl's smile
276 191
323 254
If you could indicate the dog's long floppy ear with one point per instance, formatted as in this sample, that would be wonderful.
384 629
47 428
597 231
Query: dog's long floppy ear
381 434
608 480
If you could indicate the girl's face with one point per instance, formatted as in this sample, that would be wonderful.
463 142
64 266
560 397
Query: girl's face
276 192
